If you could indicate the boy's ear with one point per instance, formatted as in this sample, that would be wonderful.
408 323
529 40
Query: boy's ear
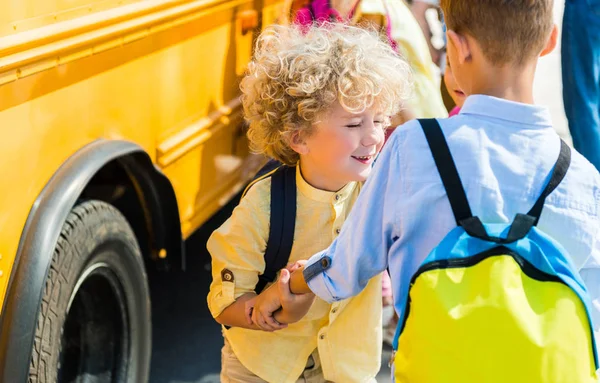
460 45
297 143
552 41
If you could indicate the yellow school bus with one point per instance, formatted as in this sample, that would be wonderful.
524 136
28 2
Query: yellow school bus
120 133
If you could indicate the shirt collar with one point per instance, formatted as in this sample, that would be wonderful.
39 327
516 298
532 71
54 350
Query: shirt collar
322 195
522 114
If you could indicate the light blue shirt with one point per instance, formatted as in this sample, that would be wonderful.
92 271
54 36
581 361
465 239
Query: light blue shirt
504 152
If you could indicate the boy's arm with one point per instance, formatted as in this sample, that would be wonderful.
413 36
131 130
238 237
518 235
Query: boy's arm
294 305
237 254
360 252
278 303
298 284
235 316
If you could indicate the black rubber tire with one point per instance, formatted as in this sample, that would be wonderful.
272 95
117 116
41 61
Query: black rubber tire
94 323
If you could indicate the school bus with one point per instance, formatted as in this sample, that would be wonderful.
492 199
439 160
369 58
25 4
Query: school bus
121 133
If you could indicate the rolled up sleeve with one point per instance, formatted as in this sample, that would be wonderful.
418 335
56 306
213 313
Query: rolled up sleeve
315 277
237 250
360 251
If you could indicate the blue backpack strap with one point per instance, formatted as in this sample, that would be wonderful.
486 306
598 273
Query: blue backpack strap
522 223
282 224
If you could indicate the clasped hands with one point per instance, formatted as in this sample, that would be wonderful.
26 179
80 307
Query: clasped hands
277 306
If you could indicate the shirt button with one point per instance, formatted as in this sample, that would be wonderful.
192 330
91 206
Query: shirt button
333 311
325 262
322 336
338 230
337 197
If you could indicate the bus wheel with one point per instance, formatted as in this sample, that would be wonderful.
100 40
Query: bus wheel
94 320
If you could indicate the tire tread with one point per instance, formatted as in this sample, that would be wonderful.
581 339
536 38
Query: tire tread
74 240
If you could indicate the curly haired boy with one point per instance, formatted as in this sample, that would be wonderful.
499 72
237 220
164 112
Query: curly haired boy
317 99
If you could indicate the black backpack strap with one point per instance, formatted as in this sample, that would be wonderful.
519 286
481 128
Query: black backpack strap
457 196
558 173
267 170
282 224
447 169
524 222
451 180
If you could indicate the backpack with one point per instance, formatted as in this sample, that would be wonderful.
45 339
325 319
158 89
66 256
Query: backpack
282 220
494 302
320 11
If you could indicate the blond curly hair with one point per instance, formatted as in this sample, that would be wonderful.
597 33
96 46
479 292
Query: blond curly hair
299 72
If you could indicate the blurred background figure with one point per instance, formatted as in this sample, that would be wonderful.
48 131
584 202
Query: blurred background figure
396 19
581 75
420 9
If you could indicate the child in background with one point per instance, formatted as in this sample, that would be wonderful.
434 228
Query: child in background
426 100
397 23
317 99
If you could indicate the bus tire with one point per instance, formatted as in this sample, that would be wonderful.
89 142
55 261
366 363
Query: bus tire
94 321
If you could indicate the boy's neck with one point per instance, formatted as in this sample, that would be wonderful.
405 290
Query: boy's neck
317 180
508 82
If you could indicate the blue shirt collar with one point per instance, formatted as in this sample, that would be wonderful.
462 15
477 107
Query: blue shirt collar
498 108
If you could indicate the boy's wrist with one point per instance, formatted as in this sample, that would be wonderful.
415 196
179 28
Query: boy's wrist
298 309
281 316
284 316
298 284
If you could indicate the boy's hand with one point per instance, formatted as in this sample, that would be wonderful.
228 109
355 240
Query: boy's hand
238 314
293 266
248 308
294 306
265 305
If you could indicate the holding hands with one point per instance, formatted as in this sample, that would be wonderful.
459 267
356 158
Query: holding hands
277 306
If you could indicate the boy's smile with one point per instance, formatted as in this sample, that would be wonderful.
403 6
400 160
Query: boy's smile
341 147
364 159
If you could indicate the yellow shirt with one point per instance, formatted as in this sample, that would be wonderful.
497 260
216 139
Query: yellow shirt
347 333
426 101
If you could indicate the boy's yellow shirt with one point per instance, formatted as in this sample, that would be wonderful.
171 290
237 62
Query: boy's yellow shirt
347 333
